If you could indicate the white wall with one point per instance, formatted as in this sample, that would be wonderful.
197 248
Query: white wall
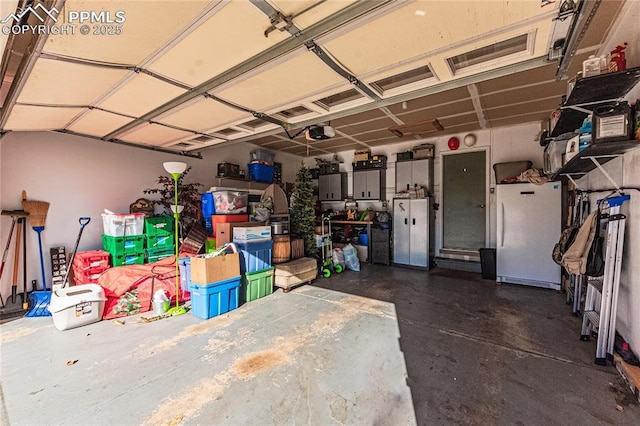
82 177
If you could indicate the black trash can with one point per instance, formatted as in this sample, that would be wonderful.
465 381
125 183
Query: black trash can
488 263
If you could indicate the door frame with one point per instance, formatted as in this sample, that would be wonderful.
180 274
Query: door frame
487 210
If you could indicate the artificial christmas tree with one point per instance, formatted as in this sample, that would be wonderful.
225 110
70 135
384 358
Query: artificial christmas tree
303 214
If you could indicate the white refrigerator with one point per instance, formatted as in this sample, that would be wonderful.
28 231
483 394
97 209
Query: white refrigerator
528 226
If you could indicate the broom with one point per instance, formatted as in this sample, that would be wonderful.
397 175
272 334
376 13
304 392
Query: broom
37 216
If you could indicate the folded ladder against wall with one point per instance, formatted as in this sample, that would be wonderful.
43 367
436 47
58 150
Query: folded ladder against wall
605 296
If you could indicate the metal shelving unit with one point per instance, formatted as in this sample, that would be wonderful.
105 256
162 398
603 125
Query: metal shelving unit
584 162
588 94
591 92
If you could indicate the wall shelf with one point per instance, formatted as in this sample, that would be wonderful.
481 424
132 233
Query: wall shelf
237 184
582 163
591 92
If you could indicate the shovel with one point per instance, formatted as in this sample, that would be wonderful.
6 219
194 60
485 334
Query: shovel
84 221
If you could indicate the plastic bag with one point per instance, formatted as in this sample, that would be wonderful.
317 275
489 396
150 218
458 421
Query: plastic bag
351 257
337 257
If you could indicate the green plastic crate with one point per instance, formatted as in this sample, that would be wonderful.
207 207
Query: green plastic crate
160 242
160 226
155 254
257 284
210 245
127 259
130 244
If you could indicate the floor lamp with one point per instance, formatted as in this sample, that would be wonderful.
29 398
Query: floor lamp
176 168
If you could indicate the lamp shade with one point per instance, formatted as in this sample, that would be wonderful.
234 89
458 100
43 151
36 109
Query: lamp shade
175 167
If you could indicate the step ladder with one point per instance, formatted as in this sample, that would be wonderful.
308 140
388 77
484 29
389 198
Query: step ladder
601 301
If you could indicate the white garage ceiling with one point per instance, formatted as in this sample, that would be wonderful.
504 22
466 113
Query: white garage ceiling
185 75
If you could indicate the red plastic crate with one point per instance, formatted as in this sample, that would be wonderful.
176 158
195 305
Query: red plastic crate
87 276
91 259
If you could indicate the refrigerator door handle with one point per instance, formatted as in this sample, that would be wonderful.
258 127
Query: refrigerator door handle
502 225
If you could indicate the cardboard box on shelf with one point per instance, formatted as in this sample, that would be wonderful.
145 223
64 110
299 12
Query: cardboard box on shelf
250 234
362 155
207 270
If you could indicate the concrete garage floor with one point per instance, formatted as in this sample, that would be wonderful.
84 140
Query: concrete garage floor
384 346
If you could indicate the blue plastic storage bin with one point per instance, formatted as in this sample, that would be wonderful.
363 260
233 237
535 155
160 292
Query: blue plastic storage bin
208 205
254 257
210 300
208 223
261 172
264 155
185 272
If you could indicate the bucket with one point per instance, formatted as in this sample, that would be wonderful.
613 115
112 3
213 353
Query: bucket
281 249
160 302
160 306
364 239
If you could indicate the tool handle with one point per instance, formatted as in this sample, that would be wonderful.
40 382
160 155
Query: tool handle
84 221
16 255
39 230
6 250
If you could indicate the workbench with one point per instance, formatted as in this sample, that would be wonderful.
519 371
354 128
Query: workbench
366 223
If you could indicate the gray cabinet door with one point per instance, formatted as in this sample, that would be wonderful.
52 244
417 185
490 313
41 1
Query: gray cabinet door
330 187
412 174
419 231
367 184
360 184
373 184
402 231
420 173
404 180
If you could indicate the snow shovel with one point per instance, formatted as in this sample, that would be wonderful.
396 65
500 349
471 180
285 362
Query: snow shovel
84 221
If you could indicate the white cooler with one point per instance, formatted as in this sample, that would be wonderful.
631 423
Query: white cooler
76 306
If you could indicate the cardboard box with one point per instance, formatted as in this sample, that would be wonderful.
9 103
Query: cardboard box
207 270
424 151
363 155
217 219
224 231
252 234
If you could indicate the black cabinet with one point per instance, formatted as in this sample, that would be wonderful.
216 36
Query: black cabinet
380 246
